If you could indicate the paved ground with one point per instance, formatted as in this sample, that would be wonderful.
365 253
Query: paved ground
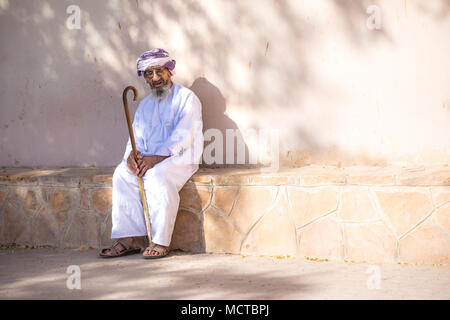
42 274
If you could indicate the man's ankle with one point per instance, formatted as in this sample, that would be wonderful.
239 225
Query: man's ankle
140 241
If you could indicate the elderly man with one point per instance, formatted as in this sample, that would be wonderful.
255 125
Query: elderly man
168 132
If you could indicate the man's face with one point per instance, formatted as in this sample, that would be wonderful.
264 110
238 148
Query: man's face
157 77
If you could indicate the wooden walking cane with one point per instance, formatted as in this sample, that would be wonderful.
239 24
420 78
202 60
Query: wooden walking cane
133 145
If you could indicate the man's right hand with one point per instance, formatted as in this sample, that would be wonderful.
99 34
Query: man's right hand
132 164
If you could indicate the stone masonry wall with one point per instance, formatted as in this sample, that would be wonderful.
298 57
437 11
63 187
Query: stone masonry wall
347 214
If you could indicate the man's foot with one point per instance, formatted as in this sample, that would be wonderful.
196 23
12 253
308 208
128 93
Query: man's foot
155 251
124 246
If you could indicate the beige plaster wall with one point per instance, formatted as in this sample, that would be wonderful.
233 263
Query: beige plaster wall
337 92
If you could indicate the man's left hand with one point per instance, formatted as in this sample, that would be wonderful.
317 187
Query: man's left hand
147 162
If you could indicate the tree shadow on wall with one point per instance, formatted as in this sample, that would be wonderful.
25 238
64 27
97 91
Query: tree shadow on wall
65 85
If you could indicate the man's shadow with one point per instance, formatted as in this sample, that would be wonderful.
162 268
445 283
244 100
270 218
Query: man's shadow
214 117
189 233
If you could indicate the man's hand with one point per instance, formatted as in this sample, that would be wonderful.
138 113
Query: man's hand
132 164
143 163
148 162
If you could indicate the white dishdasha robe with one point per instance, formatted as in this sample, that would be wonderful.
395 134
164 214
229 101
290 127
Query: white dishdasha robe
169 127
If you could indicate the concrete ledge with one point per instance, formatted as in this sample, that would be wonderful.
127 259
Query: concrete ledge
372 214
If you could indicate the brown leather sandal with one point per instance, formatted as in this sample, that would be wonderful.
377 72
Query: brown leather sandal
123 247
161 250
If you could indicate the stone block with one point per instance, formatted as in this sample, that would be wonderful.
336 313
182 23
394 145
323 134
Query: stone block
274 180
443 216
54 181
105 232
59 201
45 229
195 198
220 234
231 180
321 239
427 244
30 202
84 198
15 226
369 242
251 204
440 195
274 234
425 177
200 179
3 195
101 200
356 206
18 193
370 179
316 179
309 204
104 179
404 209
21 177
224 197
83 230
187 233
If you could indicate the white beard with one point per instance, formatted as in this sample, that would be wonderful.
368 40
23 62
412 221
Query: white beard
160 93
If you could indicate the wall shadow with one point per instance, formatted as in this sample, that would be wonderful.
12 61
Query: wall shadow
214 117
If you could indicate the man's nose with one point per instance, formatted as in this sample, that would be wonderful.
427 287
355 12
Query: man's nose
156 77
